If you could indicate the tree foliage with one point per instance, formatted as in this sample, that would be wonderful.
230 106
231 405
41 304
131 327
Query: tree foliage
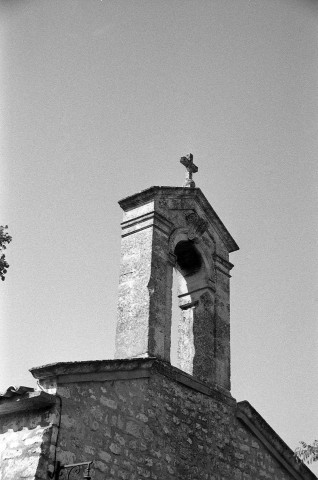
307 453
5 238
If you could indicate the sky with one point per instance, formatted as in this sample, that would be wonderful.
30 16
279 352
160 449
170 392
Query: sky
99 100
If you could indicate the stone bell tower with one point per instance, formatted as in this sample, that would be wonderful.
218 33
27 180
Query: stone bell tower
166 228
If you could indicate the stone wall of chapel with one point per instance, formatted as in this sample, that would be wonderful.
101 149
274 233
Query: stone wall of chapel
158 429
26 439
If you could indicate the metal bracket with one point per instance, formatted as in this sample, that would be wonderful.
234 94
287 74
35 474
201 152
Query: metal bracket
72 471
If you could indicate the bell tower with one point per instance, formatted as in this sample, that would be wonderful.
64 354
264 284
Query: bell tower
166 228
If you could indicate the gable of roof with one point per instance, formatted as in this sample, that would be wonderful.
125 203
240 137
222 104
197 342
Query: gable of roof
272 441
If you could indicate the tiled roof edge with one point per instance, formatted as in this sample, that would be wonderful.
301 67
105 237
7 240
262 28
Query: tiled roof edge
14 390
27 401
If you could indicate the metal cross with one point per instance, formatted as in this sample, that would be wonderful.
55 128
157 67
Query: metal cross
187 161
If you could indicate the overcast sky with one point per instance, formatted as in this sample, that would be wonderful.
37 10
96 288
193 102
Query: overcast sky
100 99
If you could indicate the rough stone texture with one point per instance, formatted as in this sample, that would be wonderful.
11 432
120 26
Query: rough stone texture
162 429
165 228
140 418
26 440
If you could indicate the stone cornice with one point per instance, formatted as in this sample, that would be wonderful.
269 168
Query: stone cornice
140 198
149 194
215 391
225 264
148 220
222 265
127 369
269 438
217 222
89 367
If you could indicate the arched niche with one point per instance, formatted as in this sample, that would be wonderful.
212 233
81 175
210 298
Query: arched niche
193 260
195 275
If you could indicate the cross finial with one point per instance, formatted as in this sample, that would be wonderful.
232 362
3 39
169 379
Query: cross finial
187 161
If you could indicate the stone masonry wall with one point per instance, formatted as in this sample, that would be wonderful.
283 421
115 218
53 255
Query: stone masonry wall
133 295
25 445
157 428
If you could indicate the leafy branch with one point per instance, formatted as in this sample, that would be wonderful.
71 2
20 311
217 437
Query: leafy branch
307 453
5 238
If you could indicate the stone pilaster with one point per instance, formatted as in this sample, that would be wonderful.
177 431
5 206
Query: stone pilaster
143 327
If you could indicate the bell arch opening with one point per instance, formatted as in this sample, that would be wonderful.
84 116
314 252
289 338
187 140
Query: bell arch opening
188 258
189 277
